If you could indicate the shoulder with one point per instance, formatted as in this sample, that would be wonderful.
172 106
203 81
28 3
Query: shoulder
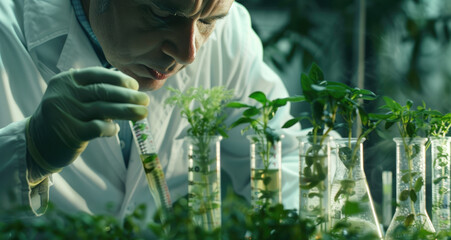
238 16
234 37
235 26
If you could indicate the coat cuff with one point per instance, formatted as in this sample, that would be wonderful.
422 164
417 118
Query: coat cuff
15 189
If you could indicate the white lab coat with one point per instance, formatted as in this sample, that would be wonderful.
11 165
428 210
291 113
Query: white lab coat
39 38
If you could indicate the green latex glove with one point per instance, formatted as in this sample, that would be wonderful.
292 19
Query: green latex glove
78 106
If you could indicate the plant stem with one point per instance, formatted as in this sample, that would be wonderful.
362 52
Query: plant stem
206 201
409 154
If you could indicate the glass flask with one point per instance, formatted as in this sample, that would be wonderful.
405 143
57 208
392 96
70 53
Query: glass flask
352 210
314 187
410 215
266 172
204 181
441 194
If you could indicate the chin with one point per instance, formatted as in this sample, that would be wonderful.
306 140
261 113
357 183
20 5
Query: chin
146 84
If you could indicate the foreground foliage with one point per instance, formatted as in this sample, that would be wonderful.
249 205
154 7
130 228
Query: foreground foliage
239 222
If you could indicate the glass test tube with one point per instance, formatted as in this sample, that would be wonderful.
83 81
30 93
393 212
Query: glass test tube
151 163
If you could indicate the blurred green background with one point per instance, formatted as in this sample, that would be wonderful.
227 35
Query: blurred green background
404 52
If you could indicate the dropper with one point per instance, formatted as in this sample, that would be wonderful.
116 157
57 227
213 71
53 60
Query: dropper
152 167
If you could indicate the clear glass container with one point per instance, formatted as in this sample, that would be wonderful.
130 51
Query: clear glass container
410 215
441 194
352 210
204 181
266 172
314 156
387 198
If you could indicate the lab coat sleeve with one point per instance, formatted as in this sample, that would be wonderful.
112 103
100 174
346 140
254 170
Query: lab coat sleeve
15 191
246 73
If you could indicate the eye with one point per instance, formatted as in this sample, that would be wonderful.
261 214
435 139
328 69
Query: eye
158 13
206 22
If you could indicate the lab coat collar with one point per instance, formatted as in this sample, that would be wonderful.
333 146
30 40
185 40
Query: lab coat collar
45 20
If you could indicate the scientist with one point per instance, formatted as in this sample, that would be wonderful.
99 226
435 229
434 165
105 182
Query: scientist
57 94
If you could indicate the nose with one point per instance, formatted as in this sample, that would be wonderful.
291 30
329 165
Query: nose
181 46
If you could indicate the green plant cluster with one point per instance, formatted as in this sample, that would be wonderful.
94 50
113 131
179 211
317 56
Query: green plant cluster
60 225
202 108
333 106
257 118
328 100
239 222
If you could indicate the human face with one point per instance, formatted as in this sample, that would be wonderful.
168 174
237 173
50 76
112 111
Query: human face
151 40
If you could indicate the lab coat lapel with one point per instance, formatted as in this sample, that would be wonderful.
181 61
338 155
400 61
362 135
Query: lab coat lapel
45 20
77 51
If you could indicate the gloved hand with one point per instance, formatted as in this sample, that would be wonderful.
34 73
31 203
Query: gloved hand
78 106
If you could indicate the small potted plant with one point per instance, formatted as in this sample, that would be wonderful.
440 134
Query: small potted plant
315 148
266 147
440 167
410 217
351 204
203 110
321 200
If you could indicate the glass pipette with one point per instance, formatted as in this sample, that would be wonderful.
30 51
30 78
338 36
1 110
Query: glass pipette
151 163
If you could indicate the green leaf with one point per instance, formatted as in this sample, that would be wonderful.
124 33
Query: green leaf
318 87
438 180
409 220
307 90
337 90
259 96
392 104
267 180
345 155
419 184
404 195
309 160
252 111
411 129
315 73
406 177
236 105
352 208
279 102
366 94
306 82
290 123
409 104
242 121
413 195
389 124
